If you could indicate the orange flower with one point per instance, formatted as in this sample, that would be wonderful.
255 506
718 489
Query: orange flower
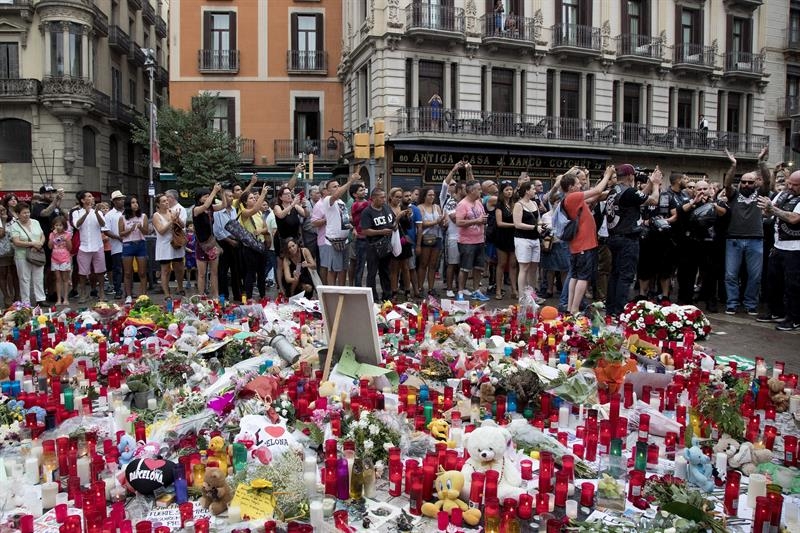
612 375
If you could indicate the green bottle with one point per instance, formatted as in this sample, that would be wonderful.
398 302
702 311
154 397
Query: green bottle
357 480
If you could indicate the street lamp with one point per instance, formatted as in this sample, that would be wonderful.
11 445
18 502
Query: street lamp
150 67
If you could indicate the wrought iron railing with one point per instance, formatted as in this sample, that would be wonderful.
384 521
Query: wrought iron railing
148 13
643 46
540 128
67 85
135 5
136 55
788 106
577 36
429 16
102 102
744 62
287 149
218 60
694 54
100 21
513 27
119 40
247 150
306 61
20 87
161 28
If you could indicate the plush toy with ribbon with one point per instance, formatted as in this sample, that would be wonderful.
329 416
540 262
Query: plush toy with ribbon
448 487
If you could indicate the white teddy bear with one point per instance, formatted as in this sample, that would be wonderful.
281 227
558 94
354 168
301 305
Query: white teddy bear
491 448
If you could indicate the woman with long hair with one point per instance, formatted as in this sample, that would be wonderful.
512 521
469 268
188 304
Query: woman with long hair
289 212
504 239
9 282
10 202
255 262
526 236
206 249
27 234
297 266
429 240
399 264
166 255
132 229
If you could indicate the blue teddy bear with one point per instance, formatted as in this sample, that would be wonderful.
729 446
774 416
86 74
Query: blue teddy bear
699 469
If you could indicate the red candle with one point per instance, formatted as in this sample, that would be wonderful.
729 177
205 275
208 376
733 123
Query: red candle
587 494
591 447
613 410
330 476
680 414
763 514
769 412
635 485
776 504
525 507
789 450
568 466
526 469
627 393
395 481
605 436
770 432
562 485
411 471
490 485
644 427
476 489
732 492
546 466
578 450
542 503
428 478
652 456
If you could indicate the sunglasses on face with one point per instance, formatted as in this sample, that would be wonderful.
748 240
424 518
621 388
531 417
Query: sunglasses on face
747 182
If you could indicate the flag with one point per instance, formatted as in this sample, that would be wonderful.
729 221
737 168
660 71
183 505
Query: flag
155 149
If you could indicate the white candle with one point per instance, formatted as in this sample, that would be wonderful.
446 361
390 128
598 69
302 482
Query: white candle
33 503
563 417
310 464
36 450
722 465
84 470
121 414
317 517
680 467
761 369
234 514
572 509
790 513
655 403
328 505
19 375
32 470
152 404
756 488
10 462
110 482
794 403
310 482
49 492
27 385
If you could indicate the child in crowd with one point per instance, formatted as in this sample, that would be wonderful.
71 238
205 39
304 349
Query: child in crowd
191 259
60 242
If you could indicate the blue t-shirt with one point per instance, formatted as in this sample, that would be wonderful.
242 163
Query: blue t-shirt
416 218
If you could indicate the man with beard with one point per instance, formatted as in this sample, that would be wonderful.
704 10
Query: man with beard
745 241
657 247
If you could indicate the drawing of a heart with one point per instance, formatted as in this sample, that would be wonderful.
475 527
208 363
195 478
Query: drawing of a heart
275 431
154 464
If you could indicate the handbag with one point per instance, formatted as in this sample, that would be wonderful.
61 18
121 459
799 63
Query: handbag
32 255
179 239
547 243
5 244
235 228
340 245
382 246
429 239
397 246
211 248
571 227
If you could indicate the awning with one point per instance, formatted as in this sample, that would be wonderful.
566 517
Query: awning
264 176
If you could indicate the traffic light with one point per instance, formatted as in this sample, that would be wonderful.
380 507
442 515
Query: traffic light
378 129
361 150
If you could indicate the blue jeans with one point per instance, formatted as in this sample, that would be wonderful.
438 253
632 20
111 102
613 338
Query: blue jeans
563 300
752 252
361 260
116 272
271 266
624 260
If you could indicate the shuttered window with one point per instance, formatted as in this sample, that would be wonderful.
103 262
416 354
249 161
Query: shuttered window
308 32
9 60
225 115
89 147
15 141
219 30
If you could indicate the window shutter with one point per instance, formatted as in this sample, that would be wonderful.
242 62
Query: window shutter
231 116
678 25
5 71
644 17
294 31
586 12
697 31
729 34
320 32
232 24
559 12
207 30
747 38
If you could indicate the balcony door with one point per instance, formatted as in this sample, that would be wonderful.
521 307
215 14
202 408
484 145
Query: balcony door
740 40
307 125
307 41
219 40
434 14
9 61
636 14
497 21
570 15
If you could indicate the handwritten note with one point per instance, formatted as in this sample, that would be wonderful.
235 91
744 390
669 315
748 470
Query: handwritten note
171 516
255 504
47 523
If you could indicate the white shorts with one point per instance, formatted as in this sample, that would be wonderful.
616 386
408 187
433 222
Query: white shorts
453 255
61 267
527 250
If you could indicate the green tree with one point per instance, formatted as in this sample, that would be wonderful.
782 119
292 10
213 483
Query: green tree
196 153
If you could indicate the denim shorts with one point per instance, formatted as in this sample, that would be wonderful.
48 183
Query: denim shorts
134 249
471 256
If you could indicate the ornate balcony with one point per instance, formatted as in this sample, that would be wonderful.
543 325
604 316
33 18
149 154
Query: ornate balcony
122 114
787 106
286 150
21 90
67 94
510 128
118 40
306 61
693 57
749 5
218 61
247 150
162 77
136 56
148 13
744 65
576 40
161 28
515 33
639 49
100 22
102 103
135 5
435 22
21 8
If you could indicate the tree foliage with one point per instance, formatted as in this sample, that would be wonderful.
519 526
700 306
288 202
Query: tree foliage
196 153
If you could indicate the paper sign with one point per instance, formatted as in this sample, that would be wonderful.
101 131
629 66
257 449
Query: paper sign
47 522
171 516
270 441
254 504
349 366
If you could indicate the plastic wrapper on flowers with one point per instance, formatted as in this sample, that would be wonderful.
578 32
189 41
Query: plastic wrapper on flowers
528 438
577 388
664 323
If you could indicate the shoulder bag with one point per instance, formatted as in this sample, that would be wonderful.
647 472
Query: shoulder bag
235 228
32 255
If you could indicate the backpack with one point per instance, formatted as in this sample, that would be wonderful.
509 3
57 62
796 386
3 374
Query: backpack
565 228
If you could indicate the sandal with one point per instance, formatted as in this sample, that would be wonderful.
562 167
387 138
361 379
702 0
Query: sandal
498 296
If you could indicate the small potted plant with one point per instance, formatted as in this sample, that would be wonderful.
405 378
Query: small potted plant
140 384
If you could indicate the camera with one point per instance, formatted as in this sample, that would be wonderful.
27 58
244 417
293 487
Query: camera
640 175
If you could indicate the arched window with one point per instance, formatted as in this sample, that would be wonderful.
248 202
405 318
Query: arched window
15 141
89 147
113 150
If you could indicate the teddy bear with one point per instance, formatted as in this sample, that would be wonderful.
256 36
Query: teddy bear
448 486
699 469
218 451
126 448
217 494
490 448
727 445
486 394
776 393
749 457
440 430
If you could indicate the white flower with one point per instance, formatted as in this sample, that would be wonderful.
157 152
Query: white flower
374 429
368 445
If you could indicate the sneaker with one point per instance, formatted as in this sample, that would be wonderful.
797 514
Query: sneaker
478 295
769 317
752 312
466 293
450 294
128 300
787 325
539 300
118 296
730 311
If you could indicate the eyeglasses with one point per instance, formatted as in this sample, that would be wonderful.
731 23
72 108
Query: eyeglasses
690 186
743 182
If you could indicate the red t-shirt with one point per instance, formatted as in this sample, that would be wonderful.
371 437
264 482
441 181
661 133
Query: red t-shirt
586 237
355 215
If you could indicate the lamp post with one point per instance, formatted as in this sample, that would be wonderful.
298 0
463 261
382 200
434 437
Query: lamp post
150 67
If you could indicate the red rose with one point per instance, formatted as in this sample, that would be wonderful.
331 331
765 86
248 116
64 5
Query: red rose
649 320
661 334
634 317
672 317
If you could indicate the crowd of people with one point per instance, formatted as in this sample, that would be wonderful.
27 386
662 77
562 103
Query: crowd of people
631 235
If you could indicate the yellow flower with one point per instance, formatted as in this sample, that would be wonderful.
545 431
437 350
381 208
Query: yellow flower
535 454
261 483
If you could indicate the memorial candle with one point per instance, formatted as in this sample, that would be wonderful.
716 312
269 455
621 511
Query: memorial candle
789 450
770 432
732 489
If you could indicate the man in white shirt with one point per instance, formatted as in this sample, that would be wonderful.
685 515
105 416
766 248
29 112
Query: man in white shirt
337 229
112 230
91 257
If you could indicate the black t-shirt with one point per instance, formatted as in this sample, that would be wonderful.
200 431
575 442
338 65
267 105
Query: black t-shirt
372 218
203 226
623 210
44 221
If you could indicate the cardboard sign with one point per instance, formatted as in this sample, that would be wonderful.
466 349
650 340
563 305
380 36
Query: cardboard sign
270 441
254 504
171 516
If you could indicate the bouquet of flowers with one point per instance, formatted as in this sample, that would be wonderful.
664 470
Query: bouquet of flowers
12 413
665 323
372 436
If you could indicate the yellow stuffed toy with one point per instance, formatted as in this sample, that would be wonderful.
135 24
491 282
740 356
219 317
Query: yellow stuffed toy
440 430
218 451
448 486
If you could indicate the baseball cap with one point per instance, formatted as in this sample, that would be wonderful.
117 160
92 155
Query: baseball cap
117 194
46 188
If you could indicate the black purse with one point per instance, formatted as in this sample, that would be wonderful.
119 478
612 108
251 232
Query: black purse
235 228
382 246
